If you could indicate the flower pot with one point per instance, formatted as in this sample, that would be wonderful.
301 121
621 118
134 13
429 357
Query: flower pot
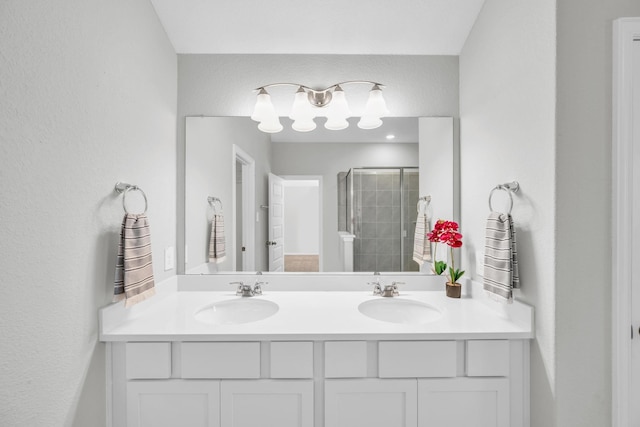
454 290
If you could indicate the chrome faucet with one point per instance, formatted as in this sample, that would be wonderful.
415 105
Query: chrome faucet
245 290
385 290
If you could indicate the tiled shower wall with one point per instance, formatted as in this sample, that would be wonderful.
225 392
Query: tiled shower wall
377 219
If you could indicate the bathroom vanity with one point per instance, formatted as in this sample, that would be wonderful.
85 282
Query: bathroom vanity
317 358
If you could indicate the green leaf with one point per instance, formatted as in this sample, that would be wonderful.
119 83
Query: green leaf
440 267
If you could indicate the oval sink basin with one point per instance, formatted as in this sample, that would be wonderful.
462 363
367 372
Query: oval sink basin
399 311
235 311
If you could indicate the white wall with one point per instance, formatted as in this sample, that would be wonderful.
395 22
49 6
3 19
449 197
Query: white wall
209 173
507 132
88 97
583 156
301 218
327 160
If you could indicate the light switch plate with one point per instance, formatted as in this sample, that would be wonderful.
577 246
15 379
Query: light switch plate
169 258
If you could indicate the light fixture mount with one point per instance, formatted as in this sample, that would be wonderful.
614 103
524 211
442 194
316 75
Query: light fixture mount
331 99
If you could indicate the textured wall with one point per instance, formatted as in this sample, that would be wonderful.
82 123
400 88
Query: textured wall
507 131
87 97
583 276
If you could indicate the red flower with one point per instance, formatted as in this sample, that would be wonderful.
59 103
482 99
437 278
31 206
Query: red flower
445 232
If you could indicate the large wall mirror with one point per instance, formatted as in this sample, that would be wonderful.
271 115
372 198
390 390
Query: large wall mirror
322 201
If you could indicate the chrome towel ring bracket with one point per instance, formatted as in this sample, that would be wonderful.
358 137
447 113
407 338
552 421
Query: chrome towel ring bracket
510 188
423 204
124 188
214 202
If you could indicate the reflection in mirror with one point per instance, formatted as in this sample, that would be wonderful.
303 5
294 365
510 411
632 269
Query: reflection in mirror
293 199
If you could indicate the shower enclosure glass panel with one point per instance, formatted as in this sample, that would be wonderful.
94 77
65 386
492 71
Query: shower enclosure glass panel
381 213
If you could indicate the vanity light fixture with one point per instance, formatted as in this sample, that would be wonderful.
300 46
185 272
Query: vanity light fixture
310 103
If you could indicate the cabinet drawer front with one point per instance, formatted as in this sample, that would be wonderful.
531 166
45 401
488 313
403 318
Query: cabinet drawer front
148 360
488 358
220 360
345 359
292 360
417 359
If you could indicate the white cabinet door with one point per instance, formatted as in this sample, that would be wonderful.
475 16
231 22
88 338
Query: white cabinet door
371 403
265 403
173 403
456 402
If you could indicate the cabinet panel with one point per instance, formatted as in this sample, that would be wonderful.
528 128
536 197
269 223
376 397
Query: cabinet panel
411 359
292 359
488 358
371 403
455 402
345 359
148 360
267 403
220 360
173 403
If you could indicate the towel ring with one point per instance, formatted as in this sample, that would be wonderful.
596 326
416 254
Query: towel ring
124 188
510 187
212 202
423 203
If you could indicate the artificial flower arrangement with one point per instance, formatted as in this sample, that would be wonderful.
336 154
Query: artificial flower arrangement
447 232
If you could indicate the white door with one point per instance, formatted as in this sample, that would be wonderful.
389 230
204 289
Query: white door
371 402
635 269
173 403
265 403
276 223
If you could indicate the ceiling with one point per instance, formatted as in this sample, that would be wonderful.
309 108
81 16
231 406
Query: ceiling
371 27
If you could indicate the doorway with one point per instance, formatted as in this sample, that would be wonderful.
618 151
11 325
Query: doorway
243 194
295 223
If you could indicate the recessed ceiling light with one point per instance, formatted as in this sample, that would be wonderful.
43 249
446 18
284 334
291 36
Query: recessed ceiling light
391 136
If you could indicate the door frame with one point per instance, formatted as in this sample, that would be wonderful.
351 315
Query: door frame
625 32
317 178
248 206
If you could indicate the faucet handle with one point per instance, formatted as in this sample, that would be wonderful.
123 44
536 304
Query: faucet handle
377 290
257 287
395 288
239 288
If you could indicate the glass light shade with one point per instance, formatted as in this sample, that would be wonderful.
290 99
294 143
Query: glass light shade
369 122
301 108
304 125
271 125
336 123
376 106
263 109
338 111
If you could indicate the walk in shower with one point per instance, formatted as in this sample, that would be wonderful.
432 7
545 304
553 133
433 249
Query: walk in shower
378 206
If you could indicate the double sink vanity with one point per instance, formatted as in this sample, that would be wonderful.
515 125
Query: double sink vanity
319 351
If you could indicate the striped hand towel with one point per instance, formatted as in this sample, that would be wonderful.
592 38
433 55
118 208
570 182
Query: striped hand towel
134 267
421 245
500 257
216 240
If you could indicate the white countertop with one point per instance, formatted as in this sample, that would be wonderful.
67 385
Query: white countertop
316 315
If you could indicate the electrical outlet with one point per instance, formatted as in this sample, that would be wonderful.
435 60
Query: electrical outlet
169 258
